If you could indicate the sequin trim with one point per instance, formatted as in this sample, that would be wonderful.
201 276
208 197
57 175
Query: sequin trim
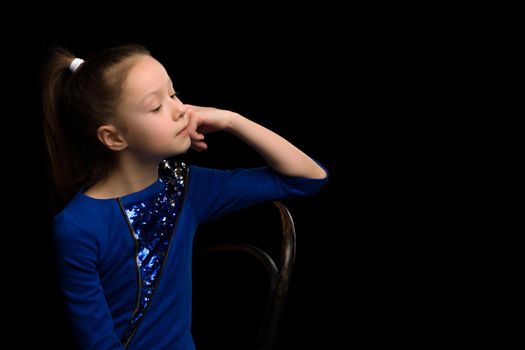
152 224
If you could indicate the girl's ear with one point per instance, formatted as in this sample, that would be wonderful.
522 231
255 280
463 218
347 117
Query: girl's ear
111 137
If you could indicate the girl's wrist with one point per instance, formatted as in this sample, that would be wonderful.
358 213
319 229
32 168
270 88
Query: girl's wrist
233 119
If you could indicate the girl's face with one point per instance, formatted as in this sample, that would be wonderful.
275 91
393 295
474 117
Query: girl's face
155 120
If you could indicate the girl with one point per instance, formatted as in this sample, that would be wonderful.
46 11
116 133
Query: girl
124 239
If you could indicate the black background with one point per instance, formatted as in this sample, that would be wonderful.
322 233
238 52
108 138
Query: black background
331 80
415 241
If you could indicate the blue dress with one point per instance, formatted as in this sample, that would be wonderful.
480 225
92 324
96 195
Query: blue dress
125 263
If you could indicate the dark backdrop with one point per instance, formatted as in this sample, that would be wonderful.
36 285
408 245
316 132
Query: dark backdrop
311 74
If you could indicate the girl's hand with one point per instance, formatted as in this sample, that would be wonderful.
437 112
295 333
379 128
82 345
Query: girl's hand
280 154
204 120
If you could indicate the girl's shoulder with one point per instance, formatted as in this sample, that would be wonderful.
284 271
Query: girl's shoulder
84 214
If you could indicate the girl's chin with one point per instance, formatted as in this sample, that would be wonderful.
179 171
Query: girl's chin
184 148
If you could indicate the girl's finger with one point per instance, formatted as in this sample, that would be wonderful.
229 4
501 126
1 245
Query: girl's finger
194 121
196 136
199 146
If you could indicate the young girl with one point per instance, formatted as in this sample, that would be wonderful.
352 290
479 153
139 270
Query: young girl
124 239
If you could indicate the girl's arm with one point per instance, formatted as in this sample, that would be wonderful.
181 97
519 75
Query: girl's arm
280 154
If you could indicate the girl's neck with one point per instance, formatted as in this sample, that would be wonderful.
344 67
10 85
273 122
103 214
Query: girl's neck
127 177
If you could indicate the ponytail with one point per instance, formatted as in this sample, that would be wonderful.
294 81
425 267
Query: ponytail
55 75
78 97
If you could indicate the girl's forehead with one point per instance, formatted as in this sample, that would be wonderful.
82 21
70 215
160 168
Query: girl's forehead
146 75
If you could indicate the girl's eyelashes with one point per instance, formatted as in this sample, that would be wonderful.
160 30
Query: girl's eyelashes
172 96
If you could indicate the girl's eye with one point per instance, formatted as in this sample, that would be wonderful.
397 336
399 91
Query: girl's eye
174 96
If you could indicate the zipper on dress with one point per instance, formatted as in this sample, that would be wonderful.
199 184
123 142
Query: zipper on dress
139 277
132 231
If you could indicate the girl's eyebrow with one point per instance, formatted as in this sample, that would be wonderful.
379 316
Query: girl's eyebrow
155 91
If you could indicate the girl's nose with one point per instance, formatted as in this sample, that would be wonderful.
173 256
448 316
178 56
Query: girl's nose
178 114
179 110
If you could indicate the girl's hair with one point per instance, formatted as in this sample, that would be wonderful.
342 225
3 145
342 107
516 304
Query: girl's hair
75 105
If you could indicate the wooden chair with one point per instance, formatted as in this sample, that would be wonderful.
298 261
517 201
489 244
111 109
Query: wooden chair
277 275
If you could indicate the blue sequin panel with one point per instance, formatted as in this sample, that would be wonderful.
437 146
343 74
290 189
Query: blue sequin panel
152 223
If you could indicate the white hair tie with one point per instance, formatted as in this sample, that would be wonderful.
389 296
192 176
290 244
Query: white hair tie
75 64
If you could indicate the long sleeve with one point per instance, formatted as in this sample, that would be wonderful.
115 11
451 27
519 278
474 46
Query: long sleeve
82 291
218 192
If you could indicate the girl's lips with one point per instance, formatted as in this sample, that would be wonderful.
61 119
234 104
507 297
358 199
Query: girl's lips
183 131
